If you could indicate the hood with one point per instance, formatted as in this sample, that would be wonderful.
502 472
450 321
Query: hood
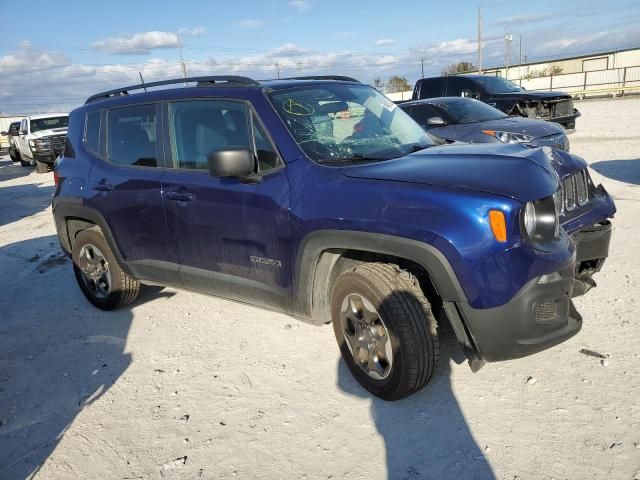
514 170
533 95
49 132
527 126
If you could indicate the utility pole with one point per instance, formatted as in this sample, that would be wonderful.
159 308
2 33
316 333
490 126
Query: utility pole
299 64
507 52
184 68
277 65
479 40
422 64
520 60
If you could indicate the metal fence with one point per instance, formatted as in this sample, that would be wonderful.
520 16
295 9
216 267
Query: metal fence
615 81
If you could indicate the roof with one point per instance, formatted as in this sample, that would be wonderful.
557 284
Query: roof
227 81
47 115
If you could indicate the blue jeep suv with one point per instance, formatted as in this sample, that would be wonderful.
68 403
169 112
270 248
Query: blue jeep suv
319 197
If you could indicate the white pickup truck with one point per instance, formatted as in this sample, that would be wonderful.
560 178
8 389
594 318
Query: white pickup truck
41 139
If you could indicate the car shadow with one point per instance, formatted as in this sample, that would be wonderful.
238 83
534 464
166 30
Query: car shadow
627 171
426 435
21 201
59 355
10 170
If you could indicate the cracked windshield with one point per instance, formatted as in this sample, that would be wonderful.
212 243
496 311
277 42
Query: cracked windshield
348 123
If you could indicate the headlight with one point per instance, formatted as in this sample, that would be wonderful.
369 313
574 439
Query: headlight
540 220
509 137
40 144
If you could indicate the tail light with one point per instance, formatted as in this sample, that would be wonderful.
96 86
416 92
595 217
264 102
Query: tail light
56 178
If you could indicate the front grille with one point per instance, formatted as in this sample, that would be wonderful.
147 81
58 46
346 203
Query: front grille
563 108
57 142
573 192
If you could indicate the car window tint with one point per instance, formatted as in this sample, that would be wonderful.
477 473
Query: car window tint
422 113
265 151
132 135
92 131
200 127
462 87
431 87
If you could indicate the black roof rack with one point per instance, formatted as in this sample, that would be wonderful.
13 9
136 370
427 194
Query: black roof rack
229 80
323 77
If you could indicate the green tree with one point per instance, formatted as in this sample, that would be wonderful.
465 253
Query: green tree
378 84
398 84
459 67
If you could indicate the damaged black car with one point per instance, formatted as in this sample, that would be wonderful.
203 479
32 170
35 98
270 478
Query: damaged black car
503 94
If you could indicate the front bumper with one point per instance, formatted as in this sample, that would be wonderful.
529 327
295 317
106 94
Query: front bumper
540 316
45 157
592 248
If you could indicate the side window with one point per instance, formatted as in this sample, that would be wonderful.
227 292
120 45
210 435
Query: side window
92 132
131 135
431 87
422 113
268 158
200 127
462 87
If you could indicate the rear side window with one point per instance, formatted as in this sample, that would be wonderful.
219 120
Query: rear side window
131 136
92 132
431 87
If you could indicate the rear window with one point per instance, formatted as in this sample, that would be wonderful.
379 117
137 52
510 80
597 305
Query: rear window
132 135
92 132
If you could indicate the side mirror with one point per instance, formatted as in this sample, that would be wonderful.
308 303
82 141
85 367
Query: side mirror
232 162
436 121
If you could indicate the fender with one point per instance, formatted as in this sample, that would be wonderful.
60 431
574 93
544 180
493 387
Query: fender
63 211
427 256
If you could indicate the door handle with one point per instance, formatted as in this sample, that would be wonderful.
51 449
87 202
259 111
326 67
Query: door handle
103 186
180 196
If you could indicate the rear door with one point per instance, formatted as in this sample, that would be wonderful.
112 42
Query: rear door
125 184
231 235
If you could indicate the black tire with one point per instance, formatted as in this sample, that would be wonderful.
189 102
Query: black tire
23 162
405 313
123 288
41 167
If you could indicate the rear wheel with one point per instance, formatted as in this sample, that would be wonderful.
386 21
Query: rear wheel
385 329
98 273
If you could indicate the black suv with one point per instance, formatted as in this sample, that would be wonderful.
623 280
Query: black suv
502 94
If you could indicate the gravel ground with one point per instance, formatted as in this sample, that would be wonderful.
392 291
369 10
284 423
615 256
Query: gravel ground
183 385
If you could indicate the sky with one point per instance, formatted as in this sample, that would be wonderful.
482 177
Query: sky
55 54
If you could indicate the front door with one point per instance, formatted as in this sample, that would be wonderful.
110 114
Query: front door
231 234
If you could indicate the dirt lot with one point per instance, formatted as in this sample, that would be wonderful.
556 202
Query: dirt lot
188 386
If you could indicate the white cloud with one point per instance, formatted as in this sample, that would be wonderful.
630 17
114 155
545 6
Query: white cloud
460 45
381 42
522 19
300 5
562 43
138 43
249 23
194 31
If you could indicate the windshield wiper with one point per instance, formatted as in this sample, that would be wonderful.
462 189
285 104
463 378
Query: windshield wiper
358 157
417 147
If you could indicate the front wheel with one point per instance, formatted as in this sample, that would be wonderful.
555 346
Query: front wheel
98 273
23 162
385 329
